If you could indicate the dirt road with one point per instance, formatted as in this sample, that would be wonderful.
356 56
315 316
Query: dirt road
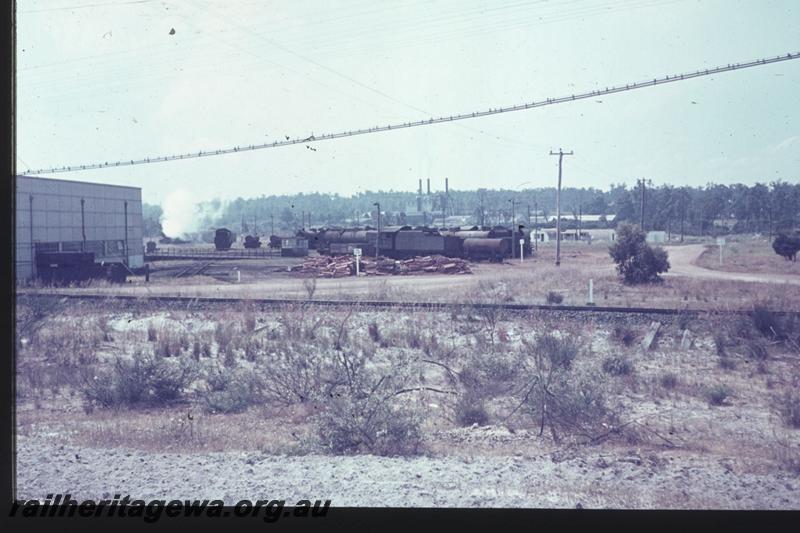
682 263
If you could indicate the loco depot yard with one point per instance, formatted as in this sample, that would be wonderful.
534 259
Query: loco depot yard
525 255
468 406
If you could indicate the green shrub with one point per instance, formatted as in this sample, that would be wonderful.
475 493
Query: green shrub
554 298
363 410
787 246
232 391
374 331
718 394
349 424
789 408
757 350
636 261
727 363
470 409
669 380
559 351
571 403
769 323
617 366
139 380
623 335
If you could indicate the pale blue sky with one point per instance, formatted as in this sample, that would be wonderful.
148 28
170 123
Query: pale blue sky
105 81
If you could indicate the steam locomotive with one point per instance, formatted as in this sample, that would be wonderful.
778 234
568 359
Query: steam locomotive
401 242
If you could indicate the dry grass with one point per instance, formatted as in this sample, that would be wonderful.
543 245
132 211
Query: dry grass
746 254
452 365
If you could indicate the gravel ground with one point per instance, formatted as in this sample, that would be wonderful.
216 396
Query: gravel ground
589 477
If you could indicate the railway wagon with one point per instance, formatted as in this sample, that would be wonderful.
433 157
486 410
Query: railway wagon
294 247
315 237
495 249
410 243
223 238
252 241
63 268
343 248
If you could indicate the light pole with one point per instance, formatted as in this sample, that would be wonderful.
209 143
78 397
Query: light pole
513 227
535 207
378 238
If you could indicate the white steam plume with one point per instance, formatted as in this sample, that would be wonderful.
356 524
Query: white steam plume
184 214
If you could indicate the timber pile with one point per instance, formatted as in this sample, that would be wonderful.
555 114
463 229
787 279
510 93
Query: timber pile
343 265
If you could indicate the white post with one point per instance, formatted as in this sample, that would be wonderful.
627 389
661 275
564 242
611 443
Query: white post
521 251
238 276
720 254
591 291
357 254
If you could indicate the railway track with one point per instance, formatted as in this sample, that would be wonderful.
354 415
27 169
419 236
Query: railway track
265 303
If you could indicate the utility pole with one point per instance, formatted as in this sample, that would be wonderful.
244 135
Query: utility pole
536 224
271 223
640 182
378 239
643 185
683 210
560 155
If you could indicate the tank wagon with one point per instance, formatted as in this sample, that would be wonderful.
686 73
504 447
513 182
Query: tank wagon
223 238
492 249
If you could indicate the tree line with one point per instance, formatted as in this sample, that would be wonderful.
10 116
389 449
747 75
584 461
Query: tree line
713 209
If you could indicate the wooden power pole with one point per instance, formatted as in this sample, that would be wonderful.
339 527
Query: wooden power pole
560 155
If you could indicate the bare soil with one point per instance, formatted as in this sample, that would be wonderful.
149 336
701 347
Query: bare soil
677 449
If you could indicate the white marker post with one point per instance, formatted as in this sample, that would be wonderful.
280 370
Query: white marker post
521 251
357 253
720 243
591 292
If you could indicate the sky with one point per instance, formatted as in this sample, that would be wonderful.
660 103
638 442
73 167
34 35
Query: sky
110 80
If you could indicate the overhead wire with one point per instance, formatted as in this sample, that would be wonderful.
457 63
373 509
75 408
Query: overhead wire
427 122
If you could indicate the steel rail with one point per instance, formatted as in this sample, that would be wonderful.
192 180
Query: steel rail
383 304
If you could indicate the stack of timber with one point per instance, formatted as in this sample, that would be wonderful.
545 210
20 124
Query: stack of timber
342 266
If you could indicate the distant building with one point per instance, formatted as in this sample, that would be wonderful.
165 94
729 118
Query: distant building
55 215
656 237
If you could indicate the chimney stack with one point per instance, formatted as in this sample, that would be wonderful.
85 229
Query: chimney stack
420 186
429 185
446 186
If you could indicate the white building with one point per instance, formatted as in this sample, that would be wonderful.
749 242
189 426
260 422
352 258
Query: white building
58 215
656 237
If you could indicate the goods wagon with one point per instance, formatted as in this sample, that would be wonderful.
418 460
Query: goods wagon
223 238
63 268
294 247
